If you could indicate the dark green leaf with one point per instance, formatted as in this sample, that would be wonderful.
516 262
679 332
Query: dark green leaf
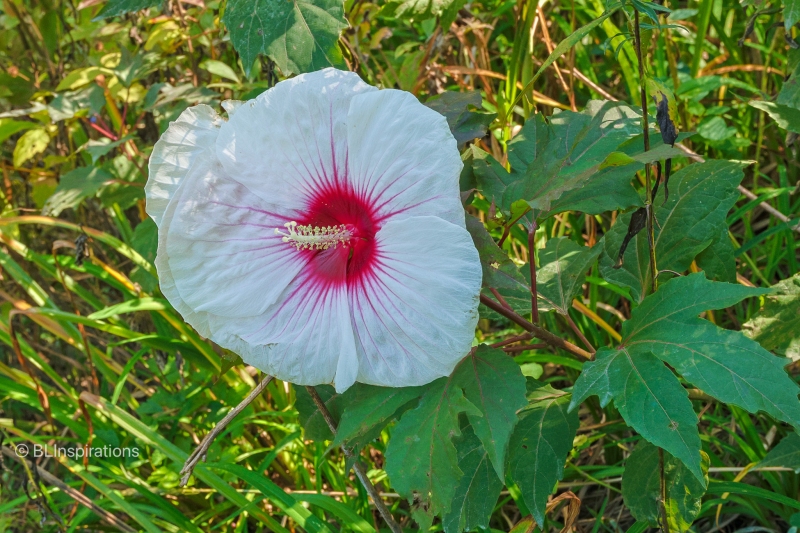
641 488
649 397
421 459
722 363
776 327
539 447
73 187
115 8
791 14
465 124
790 92
493 382
477 492
687 223
718 260
299 35
563 269
786 453
499 271
311 419
367 407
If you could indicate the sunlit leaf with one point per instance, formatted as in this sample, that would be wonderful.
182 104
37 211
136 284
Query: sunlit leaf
299 35
776 326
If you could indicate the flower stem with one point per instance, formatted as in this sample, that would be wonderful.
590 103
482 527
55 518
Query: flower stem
546 336
359 469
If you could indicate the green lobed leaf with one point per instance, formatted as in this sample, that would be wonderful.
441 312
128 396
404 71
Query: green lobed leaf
476 493
786 453
367 407
562 272
776 327
421 459
493 383
691 219
299 35
722 363
581 161
651 400
641 488
539 446
74 187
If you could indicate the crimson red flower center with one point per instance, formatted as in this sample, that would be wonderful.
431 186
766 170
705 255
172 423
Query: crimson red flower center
350 261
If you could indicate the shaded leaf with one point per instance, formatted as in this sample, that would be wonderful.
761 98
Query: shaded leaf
299 35
493 383
718 260
367 407
499 271
539 446
74 187
648 396
776 327
465 124
476 493
687 224
786 453
641 488
68 104
562 272
314 425
421 459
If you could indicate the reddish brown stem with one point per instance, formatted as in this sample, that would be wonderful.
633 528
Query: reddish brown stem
539 333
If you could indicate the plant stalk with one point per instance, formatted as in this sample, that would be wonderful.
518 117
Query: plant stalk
359 469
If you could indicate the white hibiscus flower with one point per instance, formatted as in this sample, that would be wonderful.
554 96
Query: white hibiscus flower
318 233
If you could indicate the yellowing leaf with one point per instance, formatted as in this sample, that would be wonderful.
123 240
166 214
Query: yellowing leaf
31 143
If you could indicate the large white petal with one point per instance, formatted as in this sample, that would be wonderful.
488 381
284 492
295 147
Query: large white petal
415 318
290 142
403 157
305 338
224 255
187 145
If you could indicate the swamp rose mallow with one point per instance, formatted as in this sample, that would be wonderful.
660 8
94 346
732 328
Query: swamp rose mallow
318 233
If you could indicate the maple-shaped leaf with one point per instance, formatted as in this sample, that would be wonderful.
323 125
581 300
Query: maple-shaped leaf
575 160
724 364
421 459
540 445
476 494
641 488
494 383
299 35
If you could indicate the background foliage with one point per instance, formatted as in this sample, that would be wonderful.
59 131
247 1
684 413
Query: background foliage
523 434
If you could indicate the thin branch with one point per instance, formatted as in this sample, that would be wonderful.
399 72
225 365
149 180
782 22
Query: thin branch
359 469
546 336
201 450
532 262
